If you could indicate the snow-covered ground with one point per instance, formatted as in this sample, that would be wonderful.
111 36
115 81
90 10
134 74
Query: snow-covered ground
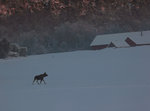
104 80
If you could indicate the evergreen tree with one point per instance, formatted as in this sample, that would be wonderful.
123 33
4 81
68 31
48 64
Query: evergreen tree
4 48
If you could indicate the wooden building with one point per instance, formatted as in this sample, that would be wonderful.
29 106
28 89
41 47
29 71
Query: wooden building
109 40
121 40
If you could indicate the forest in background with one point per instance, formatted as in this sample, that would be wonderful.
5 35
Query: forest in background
46 26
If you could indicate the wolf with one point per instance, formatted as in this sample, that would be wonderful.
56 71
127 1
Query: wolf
40 77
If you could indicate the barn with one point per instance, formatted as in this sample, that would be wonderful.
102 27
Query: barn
109 40
142 39
121 40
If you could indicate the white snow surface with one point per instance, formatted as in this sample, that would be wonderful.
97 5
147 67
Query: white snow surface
102 80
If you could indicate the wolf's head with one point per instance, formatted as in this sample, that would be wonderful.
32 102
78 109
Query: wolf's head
45 74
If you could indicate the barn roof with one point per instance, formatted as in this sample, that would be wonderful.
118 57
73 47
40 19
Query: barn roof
119 39
120 43
143 38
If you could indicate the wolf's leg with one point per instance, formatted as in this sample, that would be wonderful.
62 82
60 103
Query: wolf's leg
41 81
44 81
33 81
37 81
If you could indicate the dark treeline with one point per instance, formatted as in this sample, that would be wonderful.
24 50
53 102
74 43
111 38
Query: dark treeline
46 26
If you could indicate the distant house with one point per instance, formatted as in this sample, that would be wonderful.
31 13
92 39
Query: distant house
109 40
142 39
121 40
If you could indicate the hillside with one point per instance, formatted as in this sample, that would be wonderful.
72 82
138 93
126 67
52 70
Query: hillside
126 14
112 79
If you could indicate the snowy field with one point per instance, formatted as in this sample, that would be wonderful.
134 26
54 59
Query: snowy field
105 80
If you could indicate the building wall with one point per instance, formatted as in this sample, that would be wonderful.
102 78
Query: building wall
130 42
97 47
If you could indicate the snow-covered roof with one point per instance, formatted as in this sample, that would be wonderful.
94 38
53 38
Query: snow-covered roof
120 42
119 39
143 38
